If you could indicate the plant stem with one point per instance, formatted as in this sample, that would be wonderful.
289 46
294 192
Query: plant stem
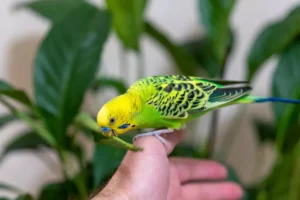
8 105
215 116
80 184
212 133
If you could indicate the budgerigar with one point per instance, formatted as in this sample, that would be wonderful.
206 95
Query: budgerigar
168 102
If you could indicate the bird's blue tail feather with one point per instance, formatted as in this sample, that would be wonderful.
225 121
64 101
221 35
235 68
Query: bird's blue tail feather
275 99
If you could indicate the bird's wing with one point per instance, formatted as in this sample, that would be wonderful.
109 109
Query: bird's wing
177 96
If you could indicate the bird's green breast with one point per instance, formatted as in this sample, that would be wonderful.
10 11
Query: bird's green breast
149 117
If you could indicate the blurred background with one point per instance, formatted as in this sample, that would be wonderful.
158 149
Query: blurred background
238 40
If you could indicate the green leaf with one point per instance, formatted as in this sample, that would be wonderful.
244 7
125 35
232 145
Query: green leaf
37 127
232 176
63 190
103 82
28 140
55 10
286 83
5 119
4 186
252 193
106 161
283 182
292 136
202 51
183 60
85 120
266 131
66 64
215 17
5 86
283 32
128 20
183 150
18 95
24 197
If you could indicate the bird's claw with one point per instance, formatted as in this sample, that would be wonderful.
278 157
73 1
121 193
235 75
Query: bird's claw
157 134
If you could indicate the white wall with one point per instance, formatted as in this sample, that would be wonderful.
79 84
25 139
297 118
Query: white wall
21 32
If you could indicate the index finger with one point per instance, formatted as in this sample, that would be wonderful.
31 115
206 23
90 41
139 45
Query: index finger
151 144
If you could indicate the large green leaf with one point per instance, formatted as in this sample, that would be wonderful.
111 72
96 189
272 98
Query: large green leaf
291 138
273 39
37 127
66 64
266 131
24 197
4 85
185 62
252 193
128 20
215 16
4 186
286 83
55 10
58 190
26 141
104 82
18 95
283 182
183 150
5 119
106 161
202 51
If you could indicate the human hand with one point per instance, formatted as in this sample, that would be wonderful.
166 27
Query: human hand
151 175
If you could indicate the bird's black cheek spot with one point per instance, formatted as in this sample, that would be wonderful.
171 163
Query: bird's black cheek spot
132 126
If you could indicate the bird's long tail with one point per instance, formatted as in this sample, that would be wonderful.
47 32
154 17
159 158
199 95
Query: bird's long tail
255 99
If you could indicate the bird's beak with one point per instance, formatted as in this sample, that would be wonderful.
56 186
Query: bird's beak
110 133
113 133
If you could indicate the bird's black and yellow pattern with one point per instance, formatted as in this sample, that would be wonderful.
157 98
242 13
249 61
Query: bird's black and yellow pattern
178 96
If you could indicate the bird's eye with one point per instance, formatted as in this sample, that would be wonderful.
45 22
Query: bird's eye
112 120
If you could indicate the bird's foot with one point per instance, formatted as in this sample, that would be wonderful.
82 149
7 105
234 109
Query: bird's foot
157 134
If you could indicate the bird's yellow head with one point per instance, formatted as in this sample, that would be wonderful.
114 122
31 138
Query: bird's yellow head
116 116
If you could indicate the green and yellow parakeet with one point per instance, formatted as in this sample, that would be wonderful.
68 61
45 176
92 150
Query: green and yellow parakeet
168 102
